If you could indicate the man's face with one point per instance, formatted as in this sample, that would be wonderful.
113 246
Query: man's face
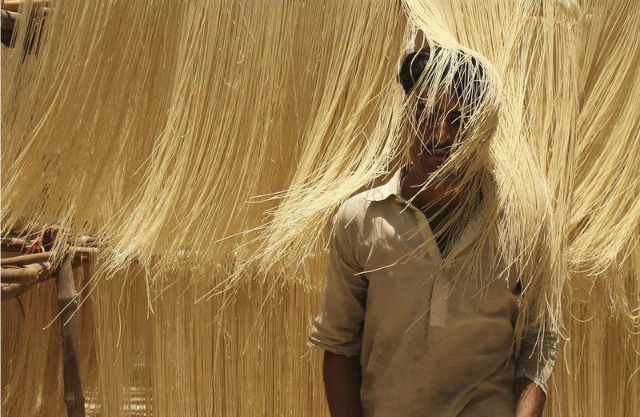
434 134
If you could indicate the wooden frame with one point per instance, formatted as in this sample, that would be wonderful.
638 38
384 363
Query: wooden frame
19 273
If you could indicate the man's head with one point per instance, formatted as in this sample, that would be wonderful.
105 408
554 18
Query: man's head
440 114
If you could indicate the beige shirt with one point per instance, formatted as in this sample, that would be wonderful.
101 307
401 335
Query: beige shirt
429 344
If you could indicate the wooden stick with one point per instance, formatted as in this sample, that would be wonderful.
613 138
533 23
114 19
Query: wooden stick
46 256
14 240
12 290
12 244
13 5
19 273
31 258
70 320
16 281
27 274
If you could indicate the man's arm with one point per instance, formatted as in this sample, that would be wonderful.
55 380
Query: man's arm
338 327
533 370
342 380
530 398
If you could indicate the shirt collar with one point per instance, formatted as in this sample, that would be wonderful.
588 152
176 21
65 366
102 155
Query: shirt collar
392 187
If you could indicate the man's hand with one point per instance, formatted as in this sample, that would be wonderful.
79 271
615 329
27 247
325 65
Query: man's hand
530 398
342 380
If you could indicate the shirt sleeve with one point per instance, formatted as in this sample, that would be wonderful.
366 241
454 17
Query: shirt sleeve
338 326
537 356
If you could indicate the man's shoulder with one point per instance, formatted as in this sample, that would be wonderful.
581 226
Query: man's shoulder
368 204
362 208
354 209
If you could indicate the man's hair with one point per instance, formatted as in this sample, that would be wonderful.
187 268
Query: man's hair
469 79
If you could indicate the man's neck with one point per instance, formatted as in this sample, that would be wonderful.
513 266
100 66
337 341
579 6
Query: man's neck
436 201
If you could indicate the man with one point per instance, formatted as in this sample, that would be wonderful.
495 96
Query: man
407 329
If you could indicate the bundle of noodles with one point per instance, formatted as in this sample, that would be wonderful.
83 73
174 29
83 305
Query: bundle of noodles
153 126
81 113
159 143
267 119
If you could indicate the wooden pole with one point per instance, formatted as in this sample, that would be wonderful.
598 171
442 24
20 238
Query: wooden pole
12 244
17 280
18 244
70 324
19 273
13 5
12 290
33 258
29 274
